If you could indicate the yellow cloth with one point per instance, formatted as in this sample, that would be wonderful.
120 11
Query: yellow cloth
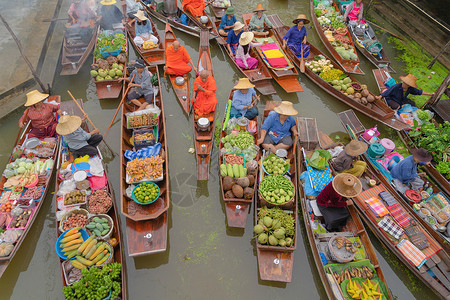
275 53
358 169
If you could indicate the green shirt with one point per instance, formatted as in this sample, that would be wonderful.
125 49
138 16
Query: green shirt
255 21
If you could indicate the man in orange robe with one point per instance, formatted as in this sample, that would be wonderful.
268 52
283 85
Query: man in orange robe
195 7
205 88
177 59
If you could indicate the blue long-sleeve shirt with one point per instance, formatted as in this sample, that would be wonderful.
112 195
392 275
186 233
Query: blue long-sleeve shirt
240 100
227 22
295 36
405 170
141 29
395 93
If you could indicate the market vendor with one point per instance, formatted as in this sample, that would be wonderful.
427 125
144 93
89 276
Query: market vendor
295 38
258 20
79 12
333 200
277 128
243 103
133 6
143 29
242 57
141 85
110 14
178 60
233 37
205 89
397 95
195 7
354 12
227 21
405 173
41 115
80 142
345 161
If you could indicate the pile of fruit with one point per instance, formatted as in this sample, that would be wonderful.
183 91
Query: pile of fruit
146 192
75 197
353 272
331 74
221 3
6 207
22 165
21 220
231 159
99 202
237 181
369 291
319 64
276 189
275 165
75 220
242 142
144 136
275 227
98 226
34 193
142 120
113 42
147 168
113 71
233 171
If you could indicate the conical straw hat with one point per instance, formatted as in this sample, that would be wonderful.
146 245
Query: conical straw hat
347 185
301 17
34 97
410 80
108 2
68 124
246 38
243 84
286 108
140 15
259 7
355 148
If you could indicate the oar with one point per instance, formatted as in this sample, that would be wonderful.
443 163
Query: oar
192 105
399 37
20 130
302 62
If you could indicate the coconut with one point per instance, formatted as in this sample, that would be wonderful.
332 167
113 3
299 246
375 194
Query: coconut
111 59
227 183
238 191
258 229
251 179
358 95
279 233
262 238
122 58
229 195
364 100
273 241
369 105
364 87
351 96
267 221
370 98
243 182
276 224
282 243
350 90
289 242
248 193
365 92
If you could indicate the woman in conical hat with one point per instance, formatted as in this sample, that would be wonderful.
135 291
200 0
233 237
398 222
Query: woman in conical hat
110 14
40 114
143 29
346 161
243 103
258 20
242 57
295 37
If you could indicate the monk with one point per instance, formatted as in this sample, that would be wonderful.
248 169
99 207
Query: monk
178 60
195 7
205 89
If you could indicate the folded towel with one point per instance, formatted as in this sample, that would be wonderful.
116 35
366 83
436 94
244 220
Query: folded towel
390 227
275 53
377 207
278 62
269 46
414 255
387 198
399 215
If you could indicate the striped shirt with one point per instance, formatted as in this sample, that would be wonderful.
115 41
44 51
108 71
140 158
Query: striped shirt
40 118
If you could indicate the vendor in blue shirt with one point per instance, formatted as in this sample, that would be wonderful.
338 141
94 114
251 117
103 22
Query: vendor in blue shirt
233 37
243 104
295 38
227 21
397 95
405 172
276 132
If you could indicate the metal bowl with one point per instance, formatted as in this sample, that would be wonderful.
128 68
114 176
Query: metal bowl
203 123
179 80
204 19
32 143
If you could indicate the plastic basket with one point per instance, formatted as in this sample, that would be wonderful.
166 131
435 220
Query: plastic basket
134 127
58 249
141 203
107 53
21 228
145 143
241 154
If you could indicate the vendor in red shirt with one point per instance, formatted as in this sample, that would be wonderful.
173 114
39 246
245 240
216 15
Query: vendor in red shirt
333 200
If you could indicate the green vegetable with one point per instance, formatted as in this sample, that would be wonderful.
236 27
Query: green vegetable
241 171
223 170
276 189
227 115
236 170
230 171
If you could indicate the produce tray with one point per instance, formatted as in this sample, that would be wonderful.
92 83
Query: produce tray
137 114
145 143
75 205
287 168
26 225
241 154
128 177
42 192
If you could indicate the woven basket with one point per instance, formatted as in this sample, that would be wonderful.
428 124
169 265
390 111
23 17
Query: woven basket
339 255
110 223
70 212
285 205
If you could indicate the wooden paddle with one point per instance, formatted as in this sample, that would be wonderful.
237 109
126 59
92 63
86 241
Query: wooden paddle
193 101
25 126
302 62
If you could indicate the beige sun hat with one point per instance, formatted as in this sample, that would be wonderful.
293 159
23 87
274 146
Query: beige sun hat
259 7
108 2
34 97
410 80
238 25
301 17
246 38
243 84
140 15
355 148
286 108
347 185
67 124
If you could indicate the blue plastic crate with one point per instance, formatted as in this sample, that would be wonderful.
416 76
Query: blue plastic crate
107 53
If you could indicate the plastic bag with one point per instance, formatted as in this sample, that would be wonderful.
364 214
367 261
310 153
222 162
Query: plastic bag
10 236
129 190
232 122
335 151
66 186
96 168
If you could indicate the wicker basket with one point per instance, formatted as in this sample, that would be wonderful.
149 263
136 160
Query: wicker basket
110 223
339 255
285 205
69 213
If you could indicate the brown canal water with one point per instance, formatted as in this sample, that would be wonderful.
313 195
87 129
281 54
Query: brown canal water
204 258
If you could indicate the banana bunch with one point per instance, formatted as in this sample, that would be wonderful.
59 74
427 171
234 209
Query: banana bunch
349 273
368 291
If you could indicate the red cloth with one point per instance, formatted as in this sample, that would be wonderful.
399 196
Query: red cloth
40 119
195 7
49 131
280 62
206 101
177 61
329 198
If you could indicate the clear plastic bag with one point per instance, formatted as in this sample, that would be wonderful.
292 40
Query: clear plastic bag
66 186
96 166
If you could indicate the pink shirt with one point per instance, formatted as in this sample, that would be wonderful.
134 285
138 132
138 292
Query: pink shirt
240 52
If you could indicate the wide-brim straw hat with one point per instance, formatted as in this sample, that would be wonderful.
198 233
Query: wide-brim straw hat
410 80
67 124
238 25
140 15
347 185
421 154
355 148
108 2
259 7
246 38
34 97
299 18
286 108
243 84
230 10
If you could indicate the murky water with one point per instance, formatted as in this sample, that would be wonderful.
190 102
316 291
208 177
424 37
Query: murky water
204 258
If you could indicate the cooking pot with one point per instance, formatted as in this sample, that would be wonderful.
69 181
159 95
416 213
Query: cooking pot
203 124
204 19
179 80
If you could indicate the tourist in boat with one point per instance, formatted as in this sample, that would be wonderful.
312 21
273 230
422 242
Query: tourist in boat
80 13
40 114
244 99
278 128
346 161
397 95
178 60
133 6
205 89
143 30
233 37
243 58
79 141
195 7
295 38
110 14
227 21
405 173
334 198
354 12
258 20
141 85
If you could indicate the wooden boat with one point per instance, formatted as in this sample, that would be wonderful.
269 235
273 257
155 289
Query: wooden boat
154 56
182 91
350 66
309 140
381 60
210 26
275 263
118 256
259 76
146 225
286 77
5 260
219 11
204 139
75 51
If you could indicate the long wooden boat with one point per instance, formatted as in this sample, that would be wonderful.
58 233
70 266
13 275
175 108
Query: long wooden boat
381 60
210 26
218 11
75 51
287 77
350 66
154 56
5 260
182 91
204 139
116 234
354 229
275 263
146 225
260 76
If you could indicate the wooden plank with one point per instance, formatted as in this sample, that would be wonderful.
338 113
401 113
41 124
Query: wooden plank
442 108
444 269
436 259
138 240
441 277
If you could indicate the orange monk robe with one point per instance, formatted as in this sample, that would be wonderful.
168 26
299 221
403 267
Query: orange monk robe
206 101
195 7
177 61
